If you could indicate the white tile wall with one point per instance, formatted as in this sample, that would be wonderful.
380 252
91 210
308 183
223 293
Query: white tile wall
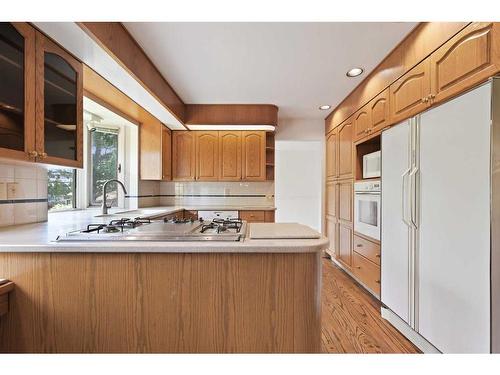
22 181
227 193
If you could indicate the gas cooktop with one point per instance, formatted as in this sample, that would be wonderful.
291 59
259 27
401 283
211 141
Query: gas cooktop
144 229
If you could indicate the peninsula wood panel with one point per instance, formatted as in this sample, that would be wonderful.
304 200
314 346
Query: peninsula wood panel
420 43
161 303
117 41
183 156
166 153
207 155
232 114
409 95
469 58
29 35
230 155
254 155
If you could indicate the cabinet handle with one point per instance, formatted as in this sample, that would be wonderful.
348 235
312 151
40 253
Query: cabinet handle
377 281
359 245
425 100
33 154
431 97
358 267
43 155
377 255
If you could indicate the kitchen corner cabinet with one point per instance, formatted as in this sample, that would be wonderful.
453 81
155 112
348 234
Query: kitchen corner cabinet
230 155
207 155
345 146
41 99
254 155
331 155
409 95
183 156
166 153
470 57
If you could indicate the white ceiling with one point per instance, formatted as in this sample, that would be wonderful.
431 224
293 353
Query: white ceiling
297 66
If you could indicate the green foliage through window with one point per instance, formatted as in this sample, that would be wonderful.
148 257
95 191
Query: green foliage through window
61 189
104 157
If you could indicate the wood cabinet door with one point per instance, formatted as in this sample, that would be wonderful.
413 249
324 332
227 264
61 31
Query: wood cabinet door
230 155
254 155
465 60
344 253
379 111
331 230
59 105
331 198
17 91
207 155
409 95
166 153
362 123
345 204
150 150
253 216
269 216
331 155
183 156
345 145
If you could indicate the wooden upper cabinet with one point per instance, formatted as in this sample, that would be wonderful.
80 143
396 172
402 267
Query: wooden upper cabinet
254 155
150 148
409 95
59 105
166 153
207 155
379 111
331 155
471 56
17 91
183 156
230 155
362 122
345 144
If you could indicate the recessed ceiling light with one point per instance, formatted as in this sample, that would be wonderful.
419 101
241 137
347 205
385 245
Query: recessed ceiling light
325 107
354 72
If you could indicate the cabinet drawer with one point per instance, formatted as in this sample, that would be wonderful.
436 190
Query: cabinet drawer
367 272
368 249
253 216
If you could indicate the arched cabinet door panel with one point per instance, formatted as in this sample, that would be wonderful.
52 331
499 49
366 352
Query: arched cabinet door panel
17 91
183 156
230 155
59 105
207 155
254 155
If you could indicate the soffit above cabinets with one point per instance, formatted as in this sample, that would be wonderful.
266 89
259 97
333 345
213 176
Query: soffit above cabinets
296 66
80 44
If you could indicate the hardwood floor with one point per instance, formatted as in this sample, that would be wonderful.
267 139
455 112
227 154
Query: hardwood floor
351 321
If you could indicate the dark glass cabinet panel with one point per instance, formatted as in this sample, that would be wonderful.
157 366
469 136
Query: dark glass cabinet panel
11 88
60 107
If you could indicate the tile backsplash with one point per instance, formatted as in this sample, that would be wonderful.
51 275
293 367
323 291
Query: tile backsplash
23 193
217 193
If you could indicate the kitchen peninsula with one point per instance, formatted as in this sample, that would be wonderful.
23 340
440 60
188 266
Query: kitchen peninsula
251 295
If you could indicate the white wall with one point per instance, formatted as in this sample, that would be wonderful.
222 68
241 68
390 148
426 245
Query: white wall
299 158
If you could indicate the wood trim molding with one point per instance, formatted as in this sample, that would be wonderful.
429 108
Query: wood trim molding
420 43
118 43
231 114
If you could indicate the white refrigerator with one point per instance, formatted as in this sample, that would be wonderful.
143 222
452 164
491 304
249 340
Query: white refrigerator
439 258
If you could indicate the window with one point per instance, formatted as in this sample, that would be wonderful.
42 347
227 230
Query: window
61 190
104 164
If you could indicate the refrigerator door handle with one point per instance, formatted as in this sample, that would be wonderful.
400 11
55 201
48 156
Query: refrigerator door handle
414 175
405 198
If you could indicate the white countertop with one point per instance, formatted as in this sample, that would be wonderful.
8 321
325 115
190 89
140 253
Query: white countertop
40 237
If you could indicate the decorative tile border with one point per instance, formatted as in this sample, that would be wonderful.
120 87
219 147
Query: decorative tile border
12 201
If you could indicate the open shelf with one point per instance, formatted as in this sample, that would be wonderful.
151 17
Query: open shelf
367 147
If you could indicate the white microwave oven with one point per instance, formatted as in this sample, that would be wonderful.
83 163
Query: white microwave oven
371 165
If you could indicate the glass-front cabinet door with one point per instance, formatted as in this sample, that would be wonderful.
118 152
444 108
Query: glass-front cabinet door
17 91
59 101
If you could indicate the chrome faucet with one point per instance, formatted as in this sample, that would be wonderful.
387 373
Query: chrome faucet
104 195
